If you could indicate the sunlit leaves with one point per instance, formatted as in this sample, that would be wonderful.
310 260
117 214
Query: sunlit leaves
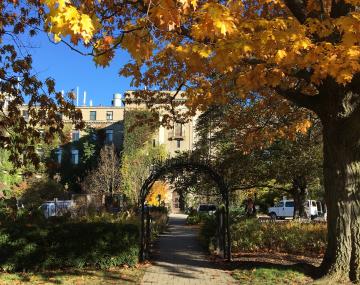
218 51
158 194
65 19
164 14
213 21
103 51
138 43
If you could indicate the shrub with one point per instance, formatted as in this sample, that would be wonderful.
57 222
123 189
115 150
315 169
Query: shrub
159 217
291 237
208 231
250 235
195 218
59 244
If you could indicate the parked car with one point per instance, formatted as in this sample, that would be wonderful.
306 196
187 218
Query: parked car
206 208
285 209
56 208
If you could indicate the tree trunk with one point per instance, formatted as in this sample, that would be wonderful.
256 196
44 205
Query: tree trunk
338 107
299 193
341 181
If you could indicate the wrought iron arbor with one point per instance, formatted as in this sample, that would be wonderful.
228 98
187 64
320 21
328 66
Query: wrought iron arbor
158 172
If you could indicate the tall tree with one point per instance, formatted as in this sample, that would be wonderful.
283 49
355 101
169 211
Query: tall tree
265 52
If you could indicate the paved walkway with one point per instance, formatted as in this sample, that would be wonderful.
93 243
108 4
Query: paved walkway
179 259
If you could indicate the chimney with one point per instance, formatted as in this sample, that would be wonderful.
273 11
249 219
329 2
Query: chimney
84 104
90 103
117 100
77 96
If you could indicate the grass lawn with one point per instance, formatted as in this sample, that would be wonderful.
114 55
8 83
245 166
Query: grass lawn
75 277
270 276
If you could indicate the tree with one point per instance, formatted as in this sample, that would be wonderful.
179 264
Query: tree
263 52
105 178
7 178
158 194
19 85
295 166
291 167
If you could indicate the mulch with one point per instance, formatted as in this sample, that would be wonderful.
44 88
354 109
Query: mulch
276 258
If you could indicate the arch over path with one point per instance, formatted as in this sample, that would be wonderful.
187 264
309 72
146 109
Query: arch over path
160 170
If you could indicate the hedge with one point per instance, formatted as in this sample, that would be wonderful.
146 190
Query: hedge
292 237
57 245
250 235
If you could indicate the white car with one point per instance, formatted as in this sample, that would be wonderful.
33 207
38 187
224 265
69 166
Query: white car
206 208
56 208
285 209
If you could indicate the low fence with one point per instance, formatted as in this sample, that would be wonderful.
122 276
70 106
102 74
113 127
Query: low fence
266 219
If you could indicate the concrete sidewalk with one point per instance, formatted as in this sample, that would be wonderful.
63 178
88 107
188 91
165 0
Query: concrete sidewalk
180 260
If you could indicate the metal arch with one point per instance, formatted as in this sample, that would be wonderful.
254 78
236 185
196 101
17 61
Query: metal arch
160 170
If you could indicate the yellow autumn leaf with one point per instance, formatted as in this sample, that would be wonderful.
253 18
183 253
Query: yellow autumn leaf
280 55
65 19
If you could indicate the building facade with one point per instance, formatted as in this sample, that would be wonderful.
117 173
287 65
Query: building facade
105 124
176 137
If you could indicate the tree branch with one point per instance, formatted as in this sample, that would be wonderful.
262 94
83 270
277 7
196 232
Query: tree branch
298 98
298 9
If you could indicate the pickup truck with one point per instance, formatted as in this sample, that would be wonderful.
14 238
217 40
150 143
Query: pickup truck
285 209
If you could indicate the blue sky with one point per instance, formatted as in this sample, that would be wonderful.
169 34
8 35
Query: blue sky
70 69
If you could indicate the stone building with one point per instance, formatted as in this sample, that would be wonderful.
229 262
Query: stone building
109 121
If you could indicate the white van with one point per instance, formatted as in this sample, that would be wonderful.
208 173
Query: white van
285 209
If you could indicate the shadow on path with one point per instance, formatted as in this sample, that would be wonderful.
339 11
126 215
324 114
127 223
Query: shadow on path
179 259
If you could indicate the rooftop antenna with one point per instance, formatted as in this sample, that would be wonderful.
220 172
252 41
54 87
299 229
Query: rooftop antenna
77 96
84 98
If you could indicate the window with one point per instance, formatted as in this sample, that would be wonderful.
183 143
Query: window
109 115
154 142
75 156
203 208
211 208
313 204
93 136
289 204
178 129
60 115
41 133
176 203
178 143
75 135
25 115
281 204
92 115
109 136
58 154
